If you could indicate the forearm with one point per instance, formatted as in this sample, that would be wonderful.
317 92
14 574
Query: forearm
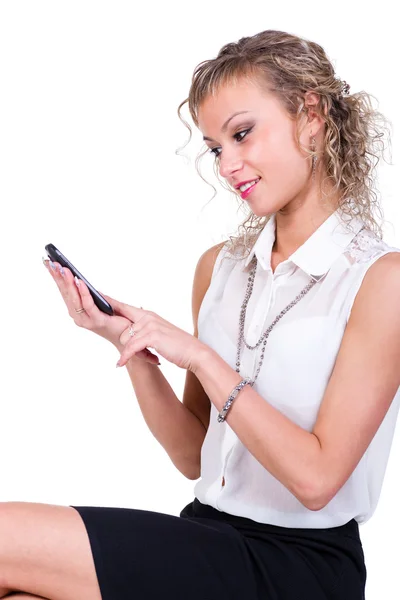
177 429
288 452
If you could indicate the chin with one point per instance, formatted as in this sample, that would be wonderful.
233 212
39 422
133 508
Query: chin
264 209
261 213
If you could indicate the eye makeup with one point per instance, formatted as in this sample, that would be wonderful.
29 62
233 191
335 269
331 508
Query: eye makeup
238 136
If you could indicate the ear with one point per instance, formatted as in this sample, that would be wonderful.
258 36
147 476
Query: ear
314 120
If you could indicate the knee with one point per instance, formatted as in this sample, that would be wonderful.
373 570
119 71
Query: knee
8 528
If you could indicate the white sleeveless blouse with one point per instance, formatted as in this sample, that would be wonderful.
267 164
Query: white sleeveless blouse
299 358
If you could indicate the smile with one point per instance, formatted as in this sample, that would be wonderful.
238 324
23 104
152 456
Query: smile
248 188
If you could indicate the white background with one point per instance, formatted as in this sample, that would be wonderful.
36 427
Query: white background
88 132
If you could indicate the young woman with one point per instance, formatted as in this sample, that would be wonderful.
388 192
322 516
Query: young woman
292 387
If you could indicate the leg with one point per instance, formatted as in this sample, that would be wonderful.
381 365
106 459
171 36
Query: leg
23 596
45 551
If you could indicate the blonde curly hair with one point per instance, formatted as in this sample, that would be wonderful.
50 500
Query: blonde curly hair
290 66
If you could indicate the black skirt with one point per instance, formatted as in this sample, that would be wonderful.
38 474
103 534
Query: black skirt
206 554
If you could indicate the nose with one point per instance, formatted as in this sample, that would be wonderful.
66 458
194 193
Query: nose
229 163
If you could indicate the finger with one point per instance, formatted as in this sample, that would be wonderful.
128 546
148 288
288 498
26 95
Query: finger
58 274
133 313
86 299
69 290
113 303
137 344
126 337
73 298
46 262
151 358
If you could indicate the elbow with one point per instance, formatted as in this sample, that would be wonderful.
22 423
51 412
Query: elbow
320 488
315 504
193 475
188 466
192 472
317 498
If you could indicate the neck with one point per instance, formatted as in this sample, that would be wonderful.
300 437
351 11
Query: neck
294 225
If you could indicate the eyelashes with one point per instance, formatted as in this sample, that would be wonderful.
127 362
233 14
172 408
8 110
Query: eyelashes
243 133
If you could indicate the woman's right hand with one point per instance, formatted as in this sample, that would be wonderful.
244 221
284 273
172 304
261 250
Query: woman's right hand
109 327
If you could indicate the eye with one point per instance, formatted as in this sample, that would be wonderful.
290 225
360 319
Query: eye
243 133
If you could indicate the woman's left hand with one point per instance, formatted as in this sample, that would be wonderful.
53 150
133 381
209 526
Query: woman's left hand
152 331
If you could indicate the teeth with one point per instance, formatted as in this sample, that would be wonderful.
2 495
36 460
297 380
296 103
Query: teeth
247 185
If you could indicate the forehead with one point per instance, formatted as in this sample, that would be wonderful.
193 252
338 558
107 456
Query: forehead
244 95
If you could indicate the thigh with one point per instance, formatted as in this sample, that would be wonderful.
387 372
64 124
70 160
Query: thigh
151 555
45 550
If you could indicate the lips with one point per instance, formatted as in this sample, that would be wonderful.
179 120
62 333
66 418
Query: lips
248 191
239 185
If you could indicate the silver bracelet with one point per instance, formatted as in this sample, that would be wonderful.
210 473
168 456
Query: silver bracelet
234 393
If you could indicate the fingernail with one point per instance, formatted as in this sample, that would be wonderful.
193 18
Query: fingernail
44 261
158 364
53 266
118 365
62 273
77 281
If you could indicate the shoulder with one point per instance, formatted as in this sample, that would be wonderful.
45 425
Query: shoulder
385 271
212 253
206 262
202 277
366 246
380 289
385 264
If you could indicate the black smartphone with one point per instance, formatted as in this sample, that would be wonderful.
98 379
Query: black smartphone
56 256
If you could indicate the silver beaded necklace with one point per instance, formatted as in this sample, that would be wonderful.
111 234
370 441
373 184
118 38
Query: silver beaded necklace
263 339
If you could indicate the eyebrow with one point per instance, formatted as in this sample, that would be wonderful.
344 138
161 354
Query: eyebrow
225 125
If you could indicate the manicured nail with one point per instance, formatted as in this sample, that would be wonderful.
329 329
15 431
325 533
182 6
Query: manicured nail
62 272
53 266
117 365
77 281
44 261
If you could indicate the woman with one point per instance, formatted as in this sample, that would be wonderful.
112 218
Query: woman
293 437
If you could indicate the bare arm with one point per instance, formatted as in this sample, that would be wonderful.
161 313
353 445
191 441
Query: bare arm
180 427
315 465
177 429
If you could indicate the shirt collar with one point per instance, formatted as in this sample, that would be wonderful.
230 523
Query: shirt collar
319 251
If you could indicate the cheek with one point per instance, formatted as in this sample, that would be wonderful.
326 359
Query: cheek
279 160
299 159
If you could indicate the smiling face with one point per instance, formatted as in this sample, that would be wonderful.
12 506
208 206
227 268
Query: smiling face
259 143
